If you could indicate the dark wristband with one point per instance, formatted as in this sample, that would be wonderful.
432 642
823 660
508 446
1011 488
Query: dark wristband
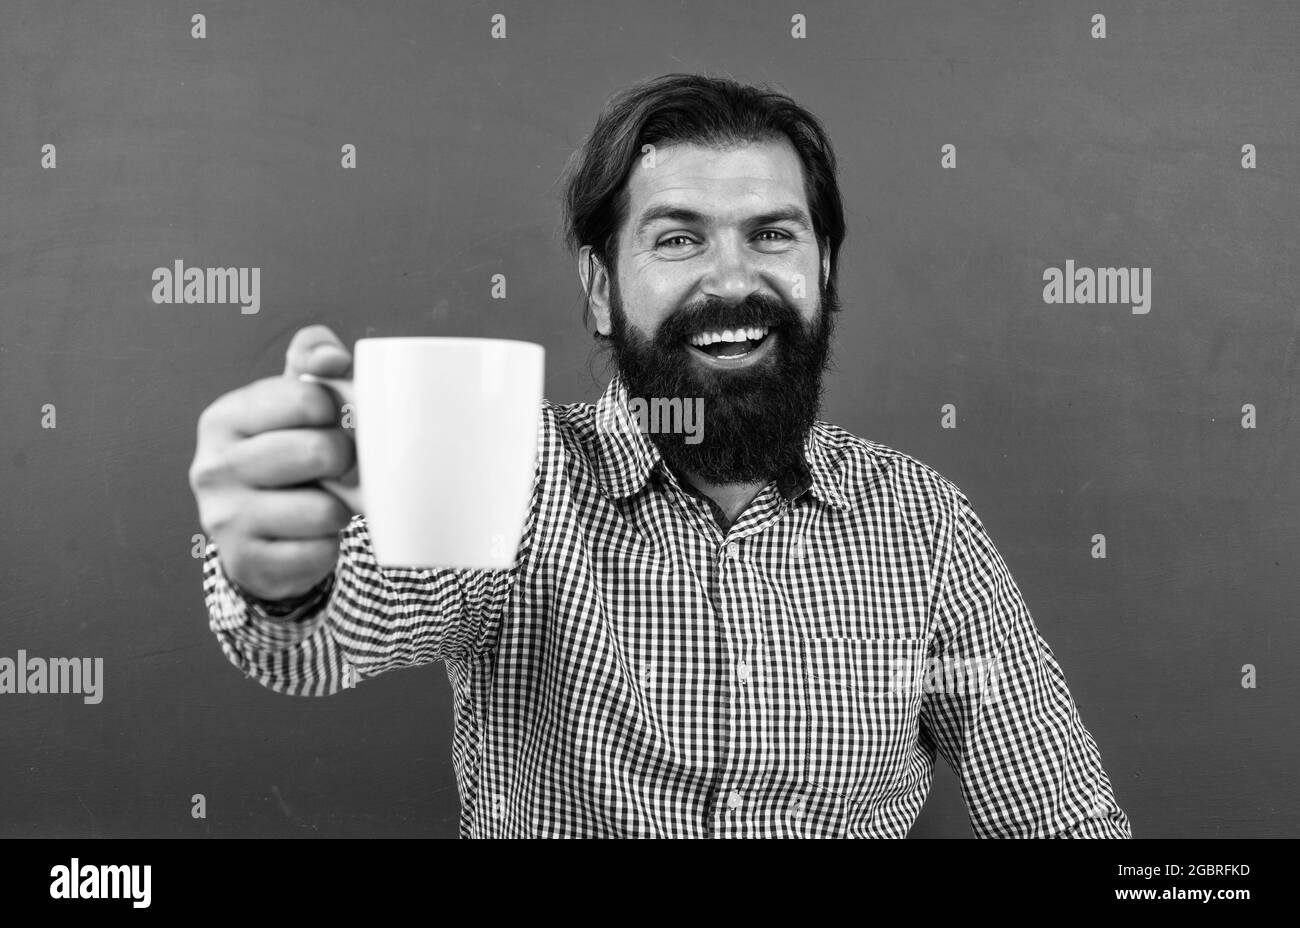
284 608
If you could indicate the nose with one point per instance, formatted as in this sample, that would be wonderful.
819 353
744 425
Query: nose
732 275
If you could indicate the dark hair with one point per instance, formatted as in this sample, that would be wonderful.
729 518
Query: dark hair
678 108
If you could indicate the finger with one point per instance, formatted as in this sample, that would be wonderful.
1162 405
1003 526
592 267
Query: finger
285 457
316 350
302 514
269 404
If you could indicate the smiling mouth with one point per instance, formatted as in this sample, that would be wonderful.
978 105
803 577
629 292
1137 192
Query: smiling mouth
729 344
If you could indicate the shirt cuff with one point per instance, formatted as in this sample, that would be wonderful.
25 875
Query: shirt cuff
237 614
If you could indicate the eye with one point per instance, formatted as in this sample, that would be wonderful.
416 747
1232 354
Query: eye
781 235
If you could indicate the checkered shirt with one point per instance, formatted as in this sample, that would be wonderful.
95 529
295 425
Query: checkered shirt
639 672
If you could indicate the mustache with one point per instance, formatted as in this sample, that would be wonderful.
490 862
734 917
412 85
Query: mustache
755 311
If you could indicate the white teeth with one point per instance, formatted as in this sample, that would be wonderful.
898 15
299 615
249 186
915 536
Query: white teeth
728 335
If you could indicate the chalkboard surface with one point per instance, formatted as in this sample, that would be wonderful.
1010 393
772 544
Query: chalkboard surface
1170 144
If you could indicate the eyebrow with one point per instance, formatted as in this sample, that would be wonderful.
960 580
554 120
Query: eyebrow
683 214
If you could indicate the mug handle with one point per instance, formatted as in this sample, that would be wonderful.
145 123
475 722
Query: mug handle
343 393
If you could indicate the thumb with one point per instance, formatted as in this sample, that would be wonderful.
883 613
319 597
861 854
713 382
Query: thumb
316 350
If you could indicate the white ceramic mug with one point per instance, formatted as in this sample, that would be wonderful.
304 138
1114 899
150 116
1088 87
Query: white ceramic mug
446 436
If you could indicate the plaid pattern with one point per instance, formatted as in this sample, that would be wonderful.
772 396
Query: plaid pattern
641 673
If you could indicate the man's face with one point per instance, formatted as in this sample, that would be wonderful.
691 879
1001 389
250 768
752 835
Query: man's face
720 294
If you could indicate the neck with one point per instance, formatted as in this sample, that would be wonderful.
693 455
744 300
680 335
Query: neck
732 498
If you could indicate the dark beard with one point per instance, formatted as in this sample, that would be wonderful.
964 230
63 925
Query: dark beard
755 420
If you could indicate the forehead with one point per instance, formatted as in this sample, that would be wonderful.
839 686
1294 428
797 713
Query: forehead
725 184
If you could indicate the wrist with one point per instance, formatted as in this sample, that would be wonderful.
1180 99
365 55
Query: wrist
290 607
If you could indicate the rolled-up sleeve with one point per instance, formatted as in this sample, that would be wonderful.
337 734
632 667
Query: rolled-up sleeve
1012 733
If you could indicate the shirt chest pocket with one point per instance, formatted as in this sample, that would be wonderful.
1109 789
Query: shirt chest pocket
863 702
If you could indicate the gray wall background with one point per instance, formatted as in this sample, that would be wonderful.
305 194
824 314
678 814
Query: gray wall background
1073 420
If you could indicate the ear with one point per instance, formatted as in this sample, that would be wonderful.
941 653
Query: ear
826 265
595 281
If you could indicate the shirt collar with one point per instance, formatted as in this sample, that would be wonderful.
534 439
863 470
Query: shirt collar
625 456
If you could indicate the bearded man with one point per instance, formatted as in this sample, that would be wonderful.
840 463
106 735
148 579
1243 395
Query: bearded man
749 632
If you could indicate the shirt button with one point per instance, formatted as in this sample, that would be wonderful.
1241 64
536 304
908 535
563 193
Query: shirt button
796 547
799 807
733 800
733 550
498 806
743 672
647 676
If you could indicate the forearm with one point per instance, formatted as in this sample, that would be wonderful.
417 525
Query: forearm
369 621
